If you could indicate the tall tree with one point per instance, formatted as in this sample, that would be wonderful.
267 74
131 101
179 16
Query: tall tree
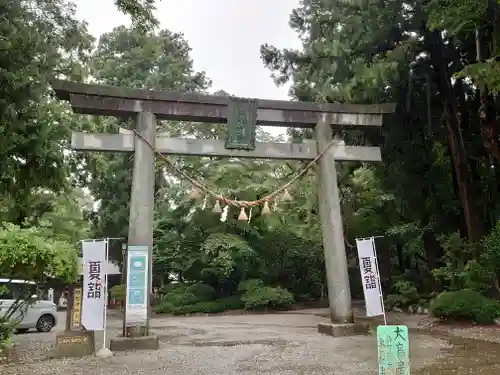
395 55
39 40
130 57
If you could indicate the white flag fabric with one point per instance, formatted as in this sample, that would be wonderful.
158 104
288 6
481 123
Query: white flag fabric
370 277
94 285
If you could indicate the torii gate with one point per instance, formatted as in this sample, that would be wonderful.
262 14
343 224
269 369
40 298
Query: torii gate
242 116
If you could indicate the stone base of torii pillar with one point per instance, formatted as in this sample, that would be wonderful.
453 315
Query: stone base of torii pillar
134 343
341 330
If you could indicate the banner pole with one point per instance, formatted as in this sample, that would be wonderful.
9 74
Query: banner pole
381 294
106 290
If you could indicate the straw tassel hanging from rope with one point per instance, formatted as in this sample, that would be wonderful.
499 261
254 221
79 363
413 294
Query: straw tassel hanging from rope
242 216
266 210
217 209
286 196
196 193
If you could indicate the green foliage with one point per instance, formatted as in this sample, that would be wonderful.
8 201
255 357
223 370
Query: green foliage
250 285
202 291
140 11
256 295
6 331
189 294
483 274
154 60
170 288
456 15
232 302
405 294
117 292
456 254
492 249
198 298
267 297
465 304
200 307
39 41
67 220
216 306
484 74
478 276
462 269
181 298
26 254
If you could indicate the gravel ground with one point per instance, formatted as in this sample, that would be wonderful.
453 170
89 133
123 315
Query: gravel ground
278 344
490 334
428 324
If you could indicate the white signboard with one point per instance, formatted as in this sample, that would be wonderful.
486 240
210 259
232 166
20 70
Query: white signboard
137 286
370 277
94 285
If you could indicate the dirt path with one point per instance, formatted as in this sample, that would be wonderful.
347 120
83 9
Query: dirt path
471 349
279 344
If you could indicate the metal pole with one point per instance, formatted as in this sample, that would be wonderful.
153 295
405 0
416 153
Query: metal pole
381 294
106 257
69 306
124 284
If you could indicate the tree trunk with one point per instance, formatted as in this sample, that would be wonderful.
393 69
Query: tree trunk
473 224
401 258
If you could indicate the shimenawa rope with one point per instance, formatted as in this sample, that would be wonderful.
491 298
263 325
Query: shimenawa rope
232 202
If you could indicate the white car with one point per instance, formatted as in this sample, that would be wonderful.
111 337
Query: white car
38 314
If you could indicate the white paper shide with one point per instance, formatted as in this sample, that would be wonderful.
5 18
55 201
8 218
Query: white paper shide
94 285
370 277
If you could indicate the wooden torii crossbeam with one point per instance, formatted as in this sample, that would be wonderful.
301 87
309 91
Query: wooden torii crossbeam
148 106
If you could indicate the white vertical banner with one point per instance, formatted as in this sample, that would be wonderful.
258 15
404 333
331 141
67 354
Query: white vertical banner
370 277
94 285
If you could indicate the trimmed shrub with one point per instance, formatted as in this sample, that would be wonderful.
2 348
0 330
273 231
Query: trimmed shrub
117 292
406 295
196 298
232 303
249 285
217 306
183 295
465 304
200 307
165 307
267 296
168 288
203 292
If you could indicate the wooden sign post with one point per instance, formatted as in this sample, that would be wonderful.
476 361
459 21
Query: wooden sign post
74 342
